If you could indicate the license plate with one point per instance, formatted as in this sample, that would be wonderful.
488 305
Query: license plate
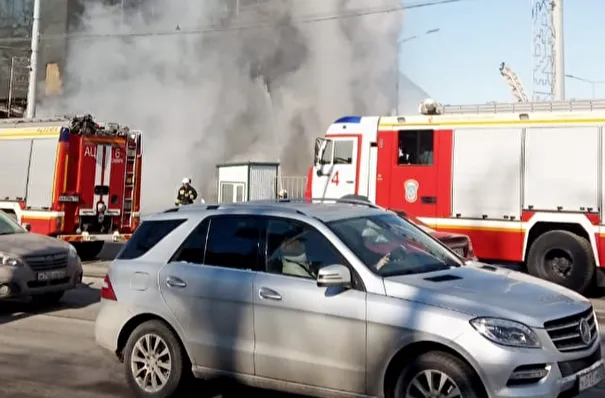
51 275
459 251
592 378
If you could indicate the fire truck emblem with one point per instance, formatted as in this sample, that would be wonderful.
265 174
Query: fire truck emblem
411 190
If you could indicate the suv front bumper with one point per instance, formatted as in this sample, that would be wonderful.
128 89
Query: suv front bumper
496 364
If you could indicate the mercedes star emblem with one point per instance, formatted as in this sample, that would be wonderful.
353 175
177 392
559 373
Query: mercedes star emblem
584 330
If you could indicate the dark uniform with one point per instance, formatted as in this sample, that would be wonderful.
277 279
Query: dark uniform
186 195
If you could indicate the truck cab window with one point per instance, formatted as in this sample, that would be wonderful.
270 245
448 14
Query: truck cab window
326 157
343 152
415 147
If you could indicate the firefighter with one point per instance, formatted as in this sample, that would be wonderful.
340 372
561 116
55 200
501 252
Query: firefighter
187 194
282 194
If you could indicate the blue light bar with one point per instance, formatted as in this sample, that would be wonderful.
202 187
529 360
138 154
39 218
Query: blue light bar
349 119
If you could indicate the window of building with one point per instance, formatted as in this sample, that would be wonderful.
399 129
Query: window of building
415 147
233 242
231 192
147 235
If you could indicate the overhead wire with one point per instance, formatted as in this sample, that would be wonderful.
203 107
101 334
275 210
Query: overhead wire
220 29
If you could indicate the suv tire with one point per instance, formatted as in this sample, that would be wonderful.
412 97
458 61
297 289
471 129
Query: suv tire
459 375
175 359
578 252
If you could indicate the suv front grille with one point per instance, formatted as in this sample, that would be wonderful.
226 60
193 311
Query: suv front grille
566 334
48 261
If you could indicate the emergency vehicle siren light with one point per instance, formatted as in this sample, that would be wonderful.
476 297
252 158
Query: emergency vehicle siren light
430 107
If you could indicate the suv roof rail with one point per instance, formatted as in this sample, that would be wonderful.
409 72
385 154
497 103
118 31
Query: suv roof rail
352 201
269 202
198 207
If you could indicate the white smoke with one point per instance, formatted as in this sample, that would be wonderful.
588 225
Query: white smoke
202 99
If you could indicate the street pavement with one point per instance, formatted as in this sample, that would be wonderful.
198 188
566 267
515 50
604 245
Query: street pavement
51 353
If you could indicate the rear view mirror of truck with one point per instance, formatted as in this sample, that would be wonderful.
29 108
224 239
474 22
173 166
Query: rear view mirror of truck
320 148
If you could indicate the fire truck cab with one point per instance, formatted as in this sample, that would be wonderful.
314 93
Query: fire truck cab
525 180
71 178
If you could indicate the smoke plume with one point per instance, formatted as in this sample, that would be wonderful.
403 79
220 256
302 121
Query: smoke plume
231 94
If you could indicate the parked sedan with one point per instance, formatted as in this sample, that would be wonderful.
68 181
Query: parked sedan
35 266
460 244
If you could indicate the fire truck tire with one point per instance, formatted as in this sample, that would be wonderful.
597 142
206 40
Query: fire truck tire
564 258
88 250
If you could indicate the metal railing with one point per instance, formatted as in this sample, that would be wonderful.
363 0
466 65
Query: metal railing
294 185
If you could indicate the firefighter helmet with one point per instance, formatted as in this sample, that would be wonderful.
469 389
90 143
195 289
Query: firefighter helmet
186 180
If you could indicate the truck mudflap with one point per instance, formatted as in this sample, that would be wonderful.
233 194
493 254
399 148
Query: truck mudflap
86 237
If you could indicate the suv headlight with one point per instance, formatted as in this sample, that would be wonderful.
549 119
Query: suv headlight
9 260
505 332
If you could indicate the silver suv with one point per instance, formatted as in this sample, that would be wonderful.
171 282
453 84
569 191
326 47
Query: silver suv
335 300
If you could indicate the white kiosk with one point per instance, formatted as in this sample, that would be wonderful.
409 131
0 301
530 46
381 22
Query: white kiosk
240 182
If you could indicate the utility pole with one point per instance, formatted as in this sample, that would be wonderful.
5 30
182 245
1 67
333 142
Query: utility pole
33 63
558 50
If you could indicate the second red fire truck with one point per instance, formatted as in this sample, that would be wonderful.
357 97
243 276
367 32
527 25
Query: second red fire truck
72 178
525 181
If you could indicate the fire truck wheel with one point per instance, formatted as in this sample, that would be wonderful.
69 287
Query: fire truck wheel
564 258
88 250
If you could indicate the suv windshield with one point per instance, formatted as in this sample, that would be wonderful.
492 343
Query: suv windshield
8 226
390 246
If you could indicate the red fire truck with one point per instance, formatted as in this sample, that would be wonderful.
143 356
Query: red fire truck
71 178
525 181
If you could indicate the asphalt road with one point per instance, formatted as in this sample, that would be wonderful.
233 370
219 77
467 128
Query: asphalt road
51 353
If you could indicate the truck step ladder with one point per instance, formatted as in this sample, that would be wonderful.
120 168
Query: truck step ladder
525 107
129 182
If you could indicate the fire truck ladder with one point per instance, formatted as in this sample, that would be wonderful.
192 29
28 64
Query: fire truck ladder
524 107
130 182
514 83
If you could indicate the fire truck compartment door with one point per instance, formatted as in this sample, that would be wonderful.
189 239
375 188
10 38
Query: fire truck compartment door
486 175
42 172
337 172
14 161
561 168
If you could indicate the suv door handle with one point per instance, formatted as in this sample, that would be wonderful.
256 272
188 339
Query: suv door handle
175 282
269 294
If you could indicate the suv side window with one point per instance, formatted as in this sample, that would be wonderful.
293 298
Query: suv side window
233 242
194 247
147 235
297 249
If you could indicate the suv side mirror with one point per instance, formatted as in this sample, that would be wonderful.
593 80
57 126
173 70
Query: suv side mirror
27 226
334 275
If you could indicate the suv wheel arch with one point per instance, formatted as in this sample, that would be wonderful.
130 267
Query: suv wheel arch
132 324
410 352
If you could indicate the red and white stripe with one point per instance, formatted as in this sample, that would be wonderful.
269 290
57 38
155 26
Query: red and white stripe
102 170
